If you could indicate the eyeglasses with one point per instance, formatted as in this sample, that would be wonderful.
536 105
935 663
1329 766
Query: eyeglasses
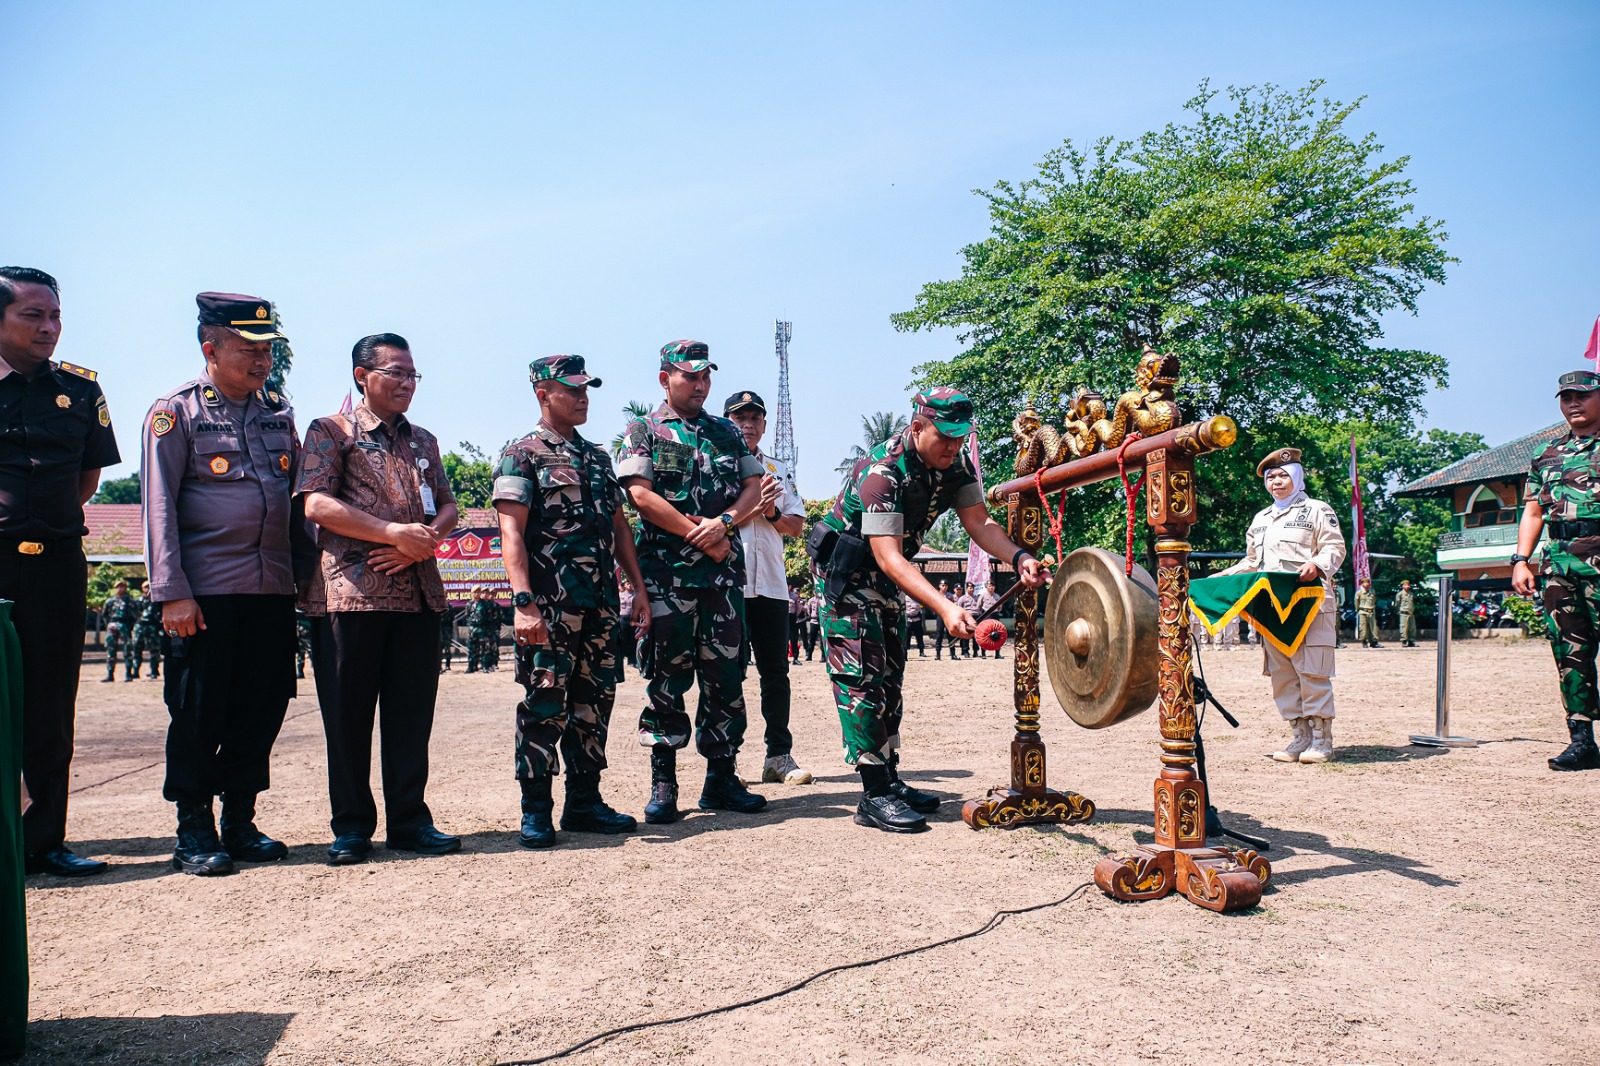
398 375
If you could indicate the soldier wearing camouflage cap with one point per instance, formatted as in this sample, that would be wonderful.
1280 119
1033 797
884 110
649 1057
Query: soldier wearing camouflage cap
1563 493
562 535
693 480
863 550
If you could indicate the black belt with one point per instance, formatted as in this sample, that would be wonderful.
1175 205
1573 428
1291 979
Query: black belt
1573 529
39 547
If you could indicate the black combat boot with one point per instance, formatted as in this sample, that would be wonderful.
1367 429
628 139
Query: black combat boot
918 800
199 852
881 809
723 791
1581 754
663 805
240 836
537 829
586 812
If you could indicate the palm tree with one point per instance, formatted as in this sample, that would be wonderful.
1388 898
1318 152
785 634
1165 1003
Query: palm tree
875 429
633 409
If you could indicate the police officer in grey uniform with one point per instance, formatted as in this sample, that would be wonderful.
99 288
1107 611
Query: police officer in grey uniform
55 437
219 459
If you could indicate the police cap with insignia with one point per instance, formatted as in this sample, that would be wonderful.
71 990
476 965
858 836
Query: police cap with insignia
689 356
740 400
1277 457
563 369
248 316
950 411
1578 381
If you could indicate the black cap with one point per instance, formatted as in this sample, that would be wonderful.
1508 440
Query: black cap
248 316
740 400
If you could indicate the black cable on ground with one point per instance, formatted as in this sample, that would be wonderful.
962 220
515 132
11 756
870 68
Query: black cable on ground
621 1030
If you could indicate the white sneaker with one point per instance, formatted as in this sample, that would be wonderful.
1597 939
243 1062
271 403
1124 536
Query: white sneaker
782 769
1321 741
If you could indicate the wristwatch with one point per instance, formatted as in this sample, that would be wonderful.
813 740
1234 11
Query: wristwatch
522 599
1518 557
727 522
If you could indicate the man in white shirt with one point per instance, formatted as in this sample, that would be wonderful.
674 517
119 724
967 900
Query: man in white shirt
766 588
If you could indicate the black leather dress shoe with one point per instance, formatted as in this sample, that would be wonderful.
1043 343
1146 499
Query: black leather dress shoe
890 814
424 840
348 850
63 863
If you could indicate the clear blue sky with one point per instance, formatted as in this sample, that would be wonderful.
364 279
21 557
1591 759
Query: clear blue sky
503 181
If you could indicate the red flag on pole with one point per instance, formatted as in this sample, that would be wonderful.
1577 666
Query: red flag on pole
1592 353
346 408
977 558
1358 522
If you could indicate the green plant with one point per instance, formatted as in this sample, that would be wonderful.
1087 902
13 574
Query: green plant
1528 616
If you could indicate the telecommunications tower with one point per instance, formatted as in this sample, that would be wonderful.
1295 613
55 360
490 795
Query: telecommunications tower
783 448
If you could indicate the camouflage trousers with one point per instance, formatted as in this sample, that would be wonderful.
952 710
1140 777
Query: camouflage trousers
866 646
1572 608
146 641
117 644
569 685
483 649
694 632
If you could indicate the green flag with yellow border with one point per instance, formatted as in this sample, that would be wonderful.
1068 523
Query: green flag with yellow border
1279 605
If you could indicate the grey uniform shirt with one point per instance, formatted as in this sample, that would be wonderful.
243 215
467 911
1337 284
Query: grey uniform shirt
216 478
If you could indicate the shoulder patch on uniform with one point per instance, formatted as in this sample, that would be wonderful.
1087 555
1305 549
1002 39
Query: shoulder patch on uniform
102 412
73 368
161 423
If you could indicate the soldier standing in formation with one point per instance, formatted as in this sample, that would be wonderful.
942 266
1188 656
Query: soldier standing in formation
147 638
1367 615
692 480
302 640
483 631
1563 493
1406 602
563 534
57 437
864 549
221 537
374 483
447 638
120 615
1297 534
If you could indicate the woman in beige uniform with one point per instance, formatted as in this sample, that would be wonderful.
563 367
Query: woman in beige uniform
1297 534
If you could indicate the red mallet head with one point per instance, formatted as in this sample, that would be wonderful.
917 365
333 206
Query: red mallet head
991 634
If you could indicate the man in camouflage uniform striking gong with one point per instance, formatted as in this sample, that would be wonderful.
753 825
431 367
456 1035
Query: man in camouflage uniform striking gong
562 533
863 550
693 480
1563 492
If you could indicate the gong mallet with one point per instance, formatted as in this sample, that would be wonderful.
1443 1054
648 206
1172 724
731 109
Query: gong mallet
994 609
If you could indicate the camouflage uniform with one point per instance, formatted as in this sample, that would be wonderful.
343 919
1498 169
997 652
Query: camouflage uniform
697 604
1563 481
570 683
890 492
483 635
120 616
302 631
147 639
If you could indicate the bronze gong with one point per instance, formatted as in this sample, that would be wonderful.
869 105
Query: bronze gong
1100 638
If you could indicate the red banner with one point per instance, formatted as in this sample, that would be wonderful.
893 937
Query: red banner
470 559
1358 522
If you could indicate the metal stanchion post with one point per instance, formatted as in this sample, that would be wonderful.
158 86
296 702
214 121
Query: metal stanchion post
1441 737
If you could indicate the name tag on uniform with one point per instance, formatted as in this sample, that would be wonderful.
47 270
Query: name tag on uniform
370 445
673 458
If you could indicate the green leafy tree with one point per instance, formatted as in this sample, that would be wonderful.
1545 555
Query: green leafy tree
947 535
471 476
1260 241
796 563
282 359
631 411
119 490
875 429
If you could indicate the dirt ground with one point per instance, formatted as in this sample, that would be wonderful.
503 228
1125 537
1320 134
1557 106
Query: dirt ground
1426 906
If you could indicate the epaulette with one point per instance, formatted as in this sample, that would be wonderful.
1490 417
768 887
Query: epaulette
72 368
272 401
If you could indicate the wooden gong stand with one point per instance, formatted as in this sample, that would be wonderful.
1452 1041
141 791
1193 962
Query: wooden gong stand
1218 878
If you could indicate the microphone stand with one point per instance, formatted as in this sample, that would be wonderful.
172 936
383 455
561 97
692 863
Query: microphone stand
1214 827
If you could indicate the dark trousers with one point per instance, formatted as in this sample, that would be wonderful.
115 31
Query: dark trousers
767 623
941 638
914 636
227 688
810 632
47 592
795 625
379 664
